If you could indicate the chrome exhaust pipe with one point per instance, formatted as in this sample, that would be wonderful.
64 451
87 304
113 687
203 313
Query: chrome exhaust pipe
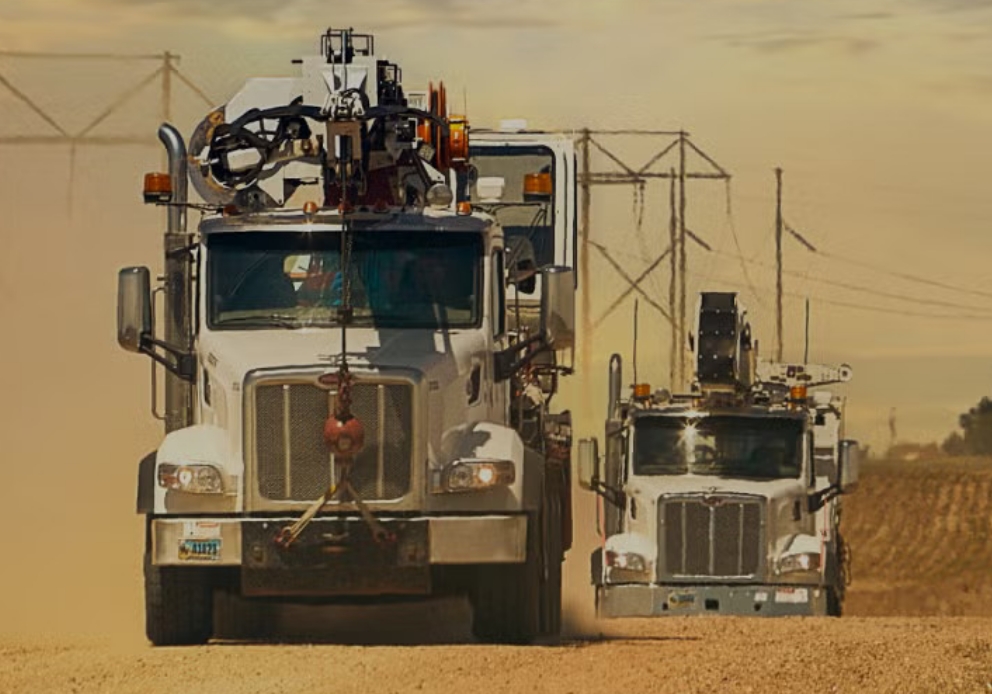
178 287
616 385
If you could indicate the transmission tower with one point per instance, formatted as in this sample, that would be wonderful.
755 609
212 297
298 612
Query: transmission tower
676 143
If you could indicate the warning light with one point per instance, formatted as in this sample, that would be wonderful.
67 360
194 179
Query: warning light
458 138
538 186
797 393
158 188
464 207
642 391
309 208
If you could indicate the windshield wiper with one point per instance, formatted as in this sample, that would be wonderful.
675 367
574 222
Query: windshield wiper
274 321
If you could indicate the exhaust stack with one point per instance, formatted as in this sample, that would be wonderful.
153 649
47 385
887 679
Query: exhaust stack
178 281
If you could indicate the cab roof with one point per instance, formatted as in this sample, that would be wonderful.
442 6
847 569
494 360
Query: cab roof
413 220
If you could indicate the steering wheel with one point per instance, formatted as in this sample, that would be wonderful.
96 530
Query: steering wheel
704 454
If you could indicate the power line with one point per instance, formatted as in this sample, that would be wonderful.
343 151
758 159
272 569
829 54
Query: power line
872 308
906 276
861 288
737 244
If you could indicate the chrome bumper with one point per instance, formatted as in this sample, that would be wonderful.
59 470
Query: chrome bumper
650 600
449 540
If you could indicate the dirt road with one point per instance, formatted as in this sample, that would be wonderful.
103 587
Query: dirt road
673 655
919 619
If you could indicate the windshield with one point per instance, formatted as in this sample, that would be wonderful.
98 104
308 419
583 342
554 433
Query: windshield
723 446
293 280
519 214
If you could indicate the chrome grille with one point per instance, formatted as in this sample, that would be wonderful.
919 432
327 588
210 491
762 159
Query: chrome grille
291 459
718 537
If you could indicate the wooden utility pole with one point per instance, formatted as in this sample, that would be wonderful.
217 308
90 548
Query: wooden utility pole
585 281
672 287
682 262
778 265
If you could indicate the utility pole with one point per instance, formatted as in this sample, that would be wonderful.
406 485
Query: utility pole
682 261
624 174
778 265
672 288
585 354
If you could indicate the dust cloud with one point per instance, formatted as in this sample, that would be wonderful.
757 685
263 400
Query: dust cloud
75 417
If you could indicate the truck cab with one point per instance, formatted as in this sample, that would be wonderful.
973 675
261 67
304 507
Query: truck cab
712 500
353 410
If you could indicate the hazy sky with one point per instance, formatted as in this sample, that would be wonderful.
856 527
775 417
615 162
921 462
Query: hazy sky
879 111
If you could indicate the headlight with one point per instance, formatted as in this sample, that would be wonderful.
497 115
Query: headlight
627 561
192 478
476 475
799 562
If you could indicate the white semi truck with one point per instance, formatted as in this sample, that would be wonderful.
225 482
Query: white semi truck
723 500
361 340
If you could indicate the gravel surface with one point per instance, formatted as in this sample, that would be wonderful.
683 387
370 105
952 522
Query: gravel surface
918 619
672 655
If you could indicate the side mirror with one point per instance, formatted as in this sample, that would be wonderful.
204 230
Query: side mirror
850 464
134 308
521 264
558 306
588 463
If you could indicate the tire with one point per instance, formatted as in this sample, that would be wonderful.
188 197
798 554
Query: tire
178 605
835 604
506 598
553 551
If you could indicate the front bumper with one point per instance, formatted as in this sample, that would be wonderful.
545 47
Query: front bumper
652 600
494 539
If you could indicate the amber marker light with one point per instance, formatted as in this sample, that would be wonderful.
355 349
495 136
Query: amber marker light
538 185
158 187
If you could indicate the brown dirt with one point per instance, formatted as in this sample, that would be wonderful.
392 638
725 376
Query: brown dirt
921 534
919 619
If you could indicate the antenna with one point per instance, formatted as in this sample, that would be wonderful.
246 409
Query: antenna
806 349
636 304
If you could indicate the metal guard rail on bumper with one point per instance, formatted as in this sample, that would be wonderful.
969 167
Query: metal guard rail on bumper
446 540
652 600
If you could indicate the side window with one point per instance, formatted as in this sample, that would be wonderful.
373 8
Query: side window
498 294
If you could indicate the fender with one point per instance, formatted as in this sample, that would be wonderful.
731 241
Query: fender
491 440
146 484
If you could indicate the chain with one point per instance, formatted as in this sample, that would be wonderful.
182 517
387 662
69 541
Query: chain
343 408
380 535
342 411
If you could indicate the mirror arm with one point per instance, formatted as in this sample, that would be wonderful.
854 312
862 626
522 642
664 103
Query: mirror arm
505 367
182 364
612 495
818 500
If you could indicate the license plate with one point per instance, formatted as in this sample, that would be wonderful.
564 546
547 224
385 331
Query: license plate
199 550
792 595
677 600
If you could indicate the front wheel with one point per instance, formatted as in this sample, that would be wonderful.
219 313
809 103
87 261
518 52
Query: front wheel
506 600
178 605
552 555
835 603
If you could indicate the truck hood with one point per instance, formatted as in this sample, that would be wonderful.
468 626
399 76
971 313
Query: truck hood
234 354
677 485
